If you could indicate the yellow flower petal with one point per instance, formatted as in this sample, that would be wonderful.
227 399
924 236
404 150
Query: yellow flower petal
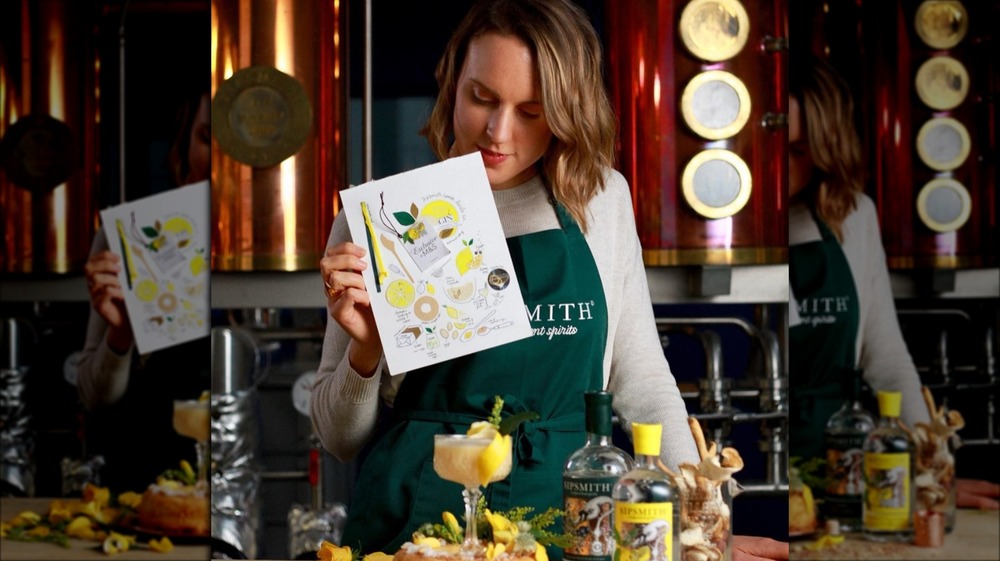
81 528
823 542
117 543
93 493
4 528
163 545
429 542
540 553
328 551
26 518
130 499
59 511
40 531
377 556
451 522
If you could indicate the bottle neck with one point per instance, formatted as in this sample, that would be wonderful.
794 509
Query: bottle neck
646 461
598 439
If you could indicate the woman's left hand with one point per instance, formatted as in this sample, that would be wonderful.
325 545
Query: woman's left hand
976 493
753 548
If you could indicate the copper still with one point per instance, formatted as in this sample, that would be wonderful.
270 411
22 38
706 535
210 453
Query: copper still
926 87
279 120
699 89
49 120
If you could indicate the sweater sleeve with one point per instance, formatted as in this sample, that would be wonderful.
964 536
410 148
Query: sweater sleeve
102 374
884 357
344 406
644 388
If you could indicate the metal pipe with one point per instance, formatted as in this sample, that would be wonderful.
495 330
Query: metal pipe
366 105
121 105
768 341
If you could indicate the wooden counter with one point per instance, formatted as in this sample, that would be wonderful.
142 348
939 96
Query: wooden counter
11 550
976 536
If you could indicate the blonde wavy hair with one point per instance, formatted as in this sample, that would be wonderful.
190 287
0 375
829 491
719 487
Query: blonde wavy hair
574 100
828 118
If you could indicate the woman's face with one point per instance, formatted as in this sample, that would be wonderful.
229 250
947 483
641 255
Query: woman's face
200 143
498 110
800 164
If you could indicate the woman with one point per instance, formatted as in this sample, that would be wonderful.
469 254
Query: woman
520 83
837 270
130 397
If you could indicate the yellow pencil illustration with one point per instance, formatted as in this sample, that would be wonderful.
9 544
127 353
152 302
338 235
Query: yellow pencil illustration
380 271
130 272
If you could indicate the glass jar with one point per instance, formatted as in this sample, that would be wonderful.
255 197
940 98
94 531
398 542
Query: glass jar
707 520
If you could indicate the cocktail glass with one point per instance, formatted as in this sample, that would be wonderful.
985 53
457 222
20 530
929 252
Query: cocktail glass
191 419
455 459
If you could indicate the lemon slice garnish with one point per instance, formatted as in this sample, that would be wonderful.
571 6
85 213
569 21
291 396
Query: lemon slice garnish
482 429
492 457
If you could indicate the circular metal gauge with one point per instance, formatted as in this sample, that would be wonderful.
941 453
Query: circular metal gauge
715 104
942 82
943 143
261 116
716 183
38 152
944 205
941 24
714 30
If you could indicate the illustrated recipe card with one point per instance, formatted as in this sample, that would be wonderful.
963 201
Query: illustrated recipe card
163 242
440 276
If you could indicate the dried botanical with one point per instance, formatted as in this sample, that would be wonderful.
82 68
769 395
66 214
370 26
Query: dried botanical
706 520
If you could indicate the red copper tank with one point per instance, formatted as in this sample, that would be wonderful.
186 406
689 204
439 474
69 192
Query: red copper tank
49 124
273 211
689 177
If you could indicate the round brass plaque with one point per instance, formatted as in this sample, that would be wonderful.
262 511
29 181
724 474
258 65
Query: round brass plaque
38 152
261 116
944 205
715 104
942 82
714 30
941 24
716 183
943 143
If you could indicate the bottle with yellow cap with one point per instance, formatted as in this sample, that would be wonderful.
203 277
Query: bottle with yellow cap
887 509
647 504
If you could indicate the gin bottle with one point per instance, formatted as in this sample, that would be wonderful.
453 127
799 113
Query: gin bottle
887 509
647 503
843 439
588 478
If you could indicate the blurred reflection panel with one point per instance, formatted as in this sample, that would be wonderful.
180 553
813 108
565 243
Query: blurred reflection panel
700 93
49 127
279 118
929 112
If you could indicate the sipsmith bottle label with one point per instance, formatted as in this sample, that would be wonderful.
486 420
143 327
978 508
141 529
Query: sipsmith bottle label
844 459
887 491
644 531
588 506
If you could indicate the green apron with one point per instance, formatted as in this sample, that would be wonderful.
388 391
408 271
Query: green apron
822 347
547 373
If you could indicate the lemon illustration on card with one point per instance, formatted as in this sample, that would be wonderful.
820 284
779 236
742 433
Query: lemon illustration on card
442 213
146 290
400 293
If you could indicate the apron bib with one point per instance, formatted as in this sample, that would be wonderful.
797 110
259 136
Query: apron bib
546 373
822 346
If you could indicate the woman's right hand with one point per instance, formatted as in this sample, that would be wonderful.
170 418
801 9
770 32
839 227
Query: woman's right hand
107 298
349 303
